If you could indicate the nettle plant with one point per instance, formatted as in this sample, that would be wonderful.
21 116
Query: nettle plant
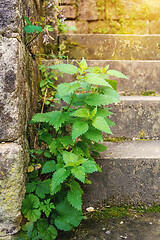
69 141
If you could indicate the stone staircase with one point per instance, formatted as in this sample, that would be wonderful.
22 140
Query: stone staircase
130 168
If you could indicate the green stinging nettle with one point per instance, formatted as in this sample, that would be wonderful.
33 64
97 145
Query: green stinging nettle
69 140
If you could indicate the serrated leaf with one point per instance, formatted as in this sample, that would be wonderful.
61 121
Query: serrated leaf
29 208
99 147
81 112
68 218
57 118
58 177
66 141
116 73
93 78
79 173
49 166
74 195
31 28
41 117
45 231
47 154
83 145
93 134
65 68
69 157
103 112
53 147
96 99
101 124
79 128
43 188
30 187
90 166
64 89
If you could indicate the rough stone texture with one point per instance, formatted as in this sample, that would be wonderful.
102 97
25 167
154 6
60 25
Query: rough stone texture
8 22
118 17
69 12
12 186
9 129
130 174
18 76
88 10
112 47
82 26
136 117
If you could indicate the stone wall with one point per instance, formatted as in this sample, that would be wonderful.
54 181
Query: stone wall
18 90
113 16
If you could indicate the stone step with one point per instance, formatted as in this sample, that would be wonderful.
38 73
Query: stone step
136 117
143 75
130 174
112 46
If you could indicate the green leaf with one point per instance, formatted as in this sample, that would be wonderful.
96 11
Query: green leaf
94 78
101 124
99 147
81 112
31 28
83 64
49 166
79 173
47 154
66 141
79 128
109 122
96 99
103 112
41 117
45 231
57 118
83 145
30 187
90 166
64 89
116 73
68 218
65 68
93 134
74 196
29 208
69 157
58 177
113 83
43 188
27 21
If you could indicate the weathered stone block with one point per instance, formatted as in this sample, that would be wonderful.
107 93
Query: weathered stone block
132 10
89 10
68 2
13 161
9 128
113 47
69 12
130 174
154 27
9 17
82 26
137 117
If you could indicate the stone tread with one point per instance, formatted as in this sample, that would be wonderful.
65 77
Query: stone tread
132 150
112 46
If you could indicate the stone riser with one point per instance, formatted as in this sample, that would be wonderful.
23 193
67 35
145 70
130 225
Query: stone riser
112 46
130 174
143 75
136 117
